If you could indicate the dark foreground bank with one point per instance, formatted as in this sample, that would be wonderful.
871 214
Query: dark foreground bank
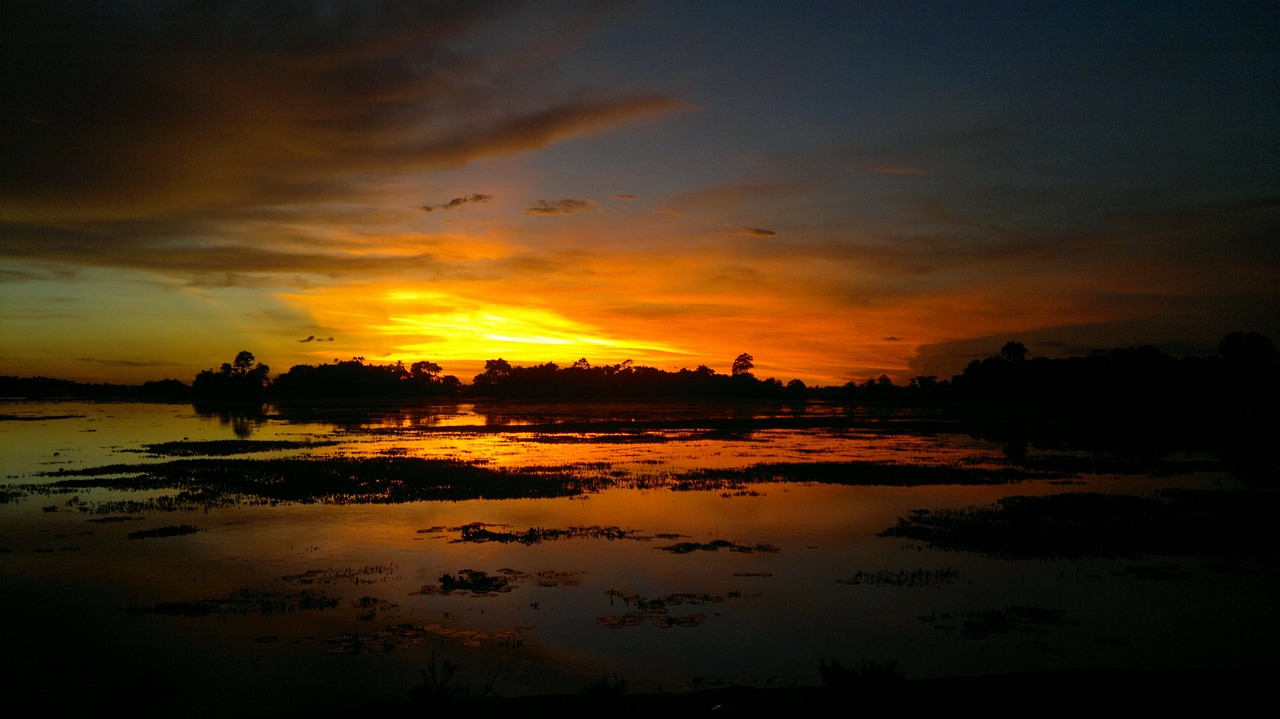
1040 692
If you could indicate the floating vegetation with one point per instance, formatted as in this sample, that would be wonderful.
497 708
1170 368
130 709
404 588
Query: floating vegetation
1070 465
480 584
861 473
225 447
401 636
480 532
363 575
370 606
243 602
209 483
716 545
656 611
177 530
868 674
1203 523
112 520
982 624
552 578
483 584
753 574
902 578
606 687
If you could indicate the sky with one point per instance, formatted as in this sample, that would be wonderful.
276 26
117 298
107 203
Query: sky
840 189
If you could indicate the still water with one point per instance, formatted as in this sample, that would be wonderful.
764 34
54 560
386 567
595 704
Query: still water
248 606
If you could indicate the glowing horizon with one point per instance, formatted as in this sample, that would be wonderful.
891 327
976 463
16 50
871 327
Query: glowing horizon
840 193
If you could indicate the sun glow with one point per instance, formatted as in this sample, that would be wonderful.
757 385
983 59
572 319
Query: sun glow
408 324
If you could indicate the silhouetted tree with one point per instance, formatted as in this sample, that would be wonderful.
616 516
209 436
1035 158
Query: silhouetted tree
242 379
1248 352
424 369
743 364
1014 351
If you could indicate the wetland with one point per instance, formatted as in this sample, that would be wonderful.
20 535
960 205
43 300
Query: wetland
185 562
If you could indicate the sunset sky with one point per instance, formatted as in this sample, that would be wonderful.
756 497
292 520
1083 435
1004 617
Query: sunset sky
842 189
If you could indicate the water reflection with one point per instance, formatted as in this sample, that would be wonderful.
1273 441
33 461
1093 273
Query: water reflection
242 419
730 543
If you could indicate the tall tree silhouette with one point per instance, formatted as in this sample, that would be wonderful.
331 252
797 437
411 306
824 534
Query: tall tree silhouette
243 378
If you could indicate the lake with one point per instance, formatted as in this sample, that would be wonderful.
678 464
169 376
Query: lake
206 563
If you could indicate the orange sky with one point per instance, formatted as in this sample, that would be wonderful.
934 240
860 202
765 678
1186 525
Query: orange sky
841 193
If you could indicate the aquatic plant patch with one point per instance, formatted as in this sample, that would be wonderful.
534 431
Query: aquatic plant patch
225 447
403 636
656 611
984 623
860 473
481 532
478 583
716 545
207 483
903 578
169 531
243 602
1202 523
362 575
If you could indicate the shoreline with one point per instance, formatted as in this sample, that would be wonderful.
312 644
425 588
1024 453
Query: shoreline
1072 689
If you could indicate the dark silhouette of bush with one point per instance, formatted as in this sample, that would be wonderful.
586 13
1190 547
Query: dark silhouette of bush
355 379
582 380
243 379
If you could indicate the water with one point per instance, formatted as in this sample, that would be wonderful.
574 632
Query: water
294 605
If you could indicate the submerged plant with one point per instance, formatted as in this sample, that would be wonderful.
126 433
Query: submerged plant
438 687
606 687
868 673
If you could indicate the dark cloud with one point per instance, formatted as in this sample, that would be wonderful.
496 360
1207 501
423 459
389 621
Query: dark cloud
133 109
750 232
144 246
458 202
624 196
567 206
128 363
892 339
313 338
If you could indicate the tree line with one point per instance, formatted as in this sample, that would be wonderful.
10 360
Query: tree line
245 379
1245 370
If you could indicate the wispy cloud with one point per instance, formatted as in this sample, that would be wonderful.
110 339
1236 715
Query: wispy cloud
252 114
750 232
458 202
567 206
889 170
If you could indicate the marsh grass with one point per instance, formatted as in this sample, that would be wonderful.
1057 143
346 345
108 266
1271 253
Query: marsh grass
902 578
225 447
1204 523
208 482
479 533
440 688
867 674
716 545
168 531
243 602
